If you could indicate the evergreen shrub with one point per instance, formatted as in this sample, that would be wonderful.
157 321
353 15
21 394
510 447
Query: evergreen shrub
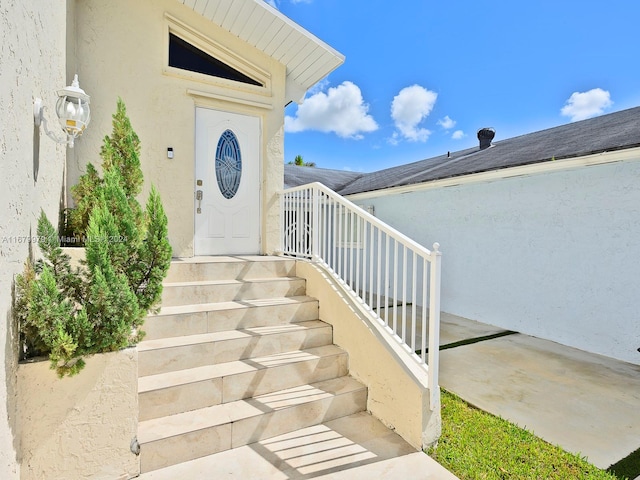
70 312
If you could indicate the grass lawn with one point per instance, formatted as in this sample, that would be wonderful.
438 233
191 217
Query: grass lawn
477 445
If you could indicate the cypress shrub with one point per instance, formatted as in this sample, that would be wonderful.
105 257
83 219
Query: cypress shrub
69 313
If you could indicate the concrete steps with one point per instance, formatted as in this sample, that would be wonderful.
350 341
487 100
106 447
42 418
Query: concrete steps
221 316
354 447
182 437
236 355
179 353
208 291
185 390
236 268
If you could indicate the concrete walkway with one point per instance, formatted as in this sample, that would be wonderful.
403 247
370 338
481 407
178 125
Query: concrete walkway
357 447
586 403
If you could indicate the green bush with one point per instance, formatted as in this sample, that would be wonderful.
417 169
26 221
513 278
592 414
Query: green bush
119 152
68 313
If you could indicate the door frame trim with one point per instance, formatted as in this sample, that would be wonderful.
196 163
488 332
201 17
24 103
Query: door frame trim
206 106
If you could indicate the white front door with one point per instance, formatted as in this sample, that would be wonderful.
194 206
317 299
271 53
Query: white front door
227 205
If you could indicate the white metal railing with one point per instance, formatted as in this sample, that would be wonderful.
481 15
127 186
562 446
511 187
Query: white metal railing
395 277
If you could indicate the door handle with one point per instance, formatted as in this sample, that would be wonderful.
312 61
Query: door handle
199 198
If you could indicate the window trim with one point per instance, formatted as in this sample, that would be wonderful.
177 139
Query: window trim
219 52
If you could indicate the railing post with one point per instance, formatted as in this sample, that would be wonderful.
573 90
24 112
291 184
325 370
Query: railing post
315 225
434 326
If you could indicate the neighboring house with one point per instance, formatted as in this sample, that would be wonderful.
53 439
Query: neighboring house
193 75
541 232
336 180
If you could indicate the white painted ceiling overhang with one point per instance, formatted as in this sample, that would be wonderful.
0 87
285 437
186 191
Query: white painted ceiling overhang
307 58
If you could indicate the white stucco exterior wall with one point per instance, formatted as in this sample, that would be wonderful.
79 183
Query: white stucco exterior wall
32 64
121 50
554 255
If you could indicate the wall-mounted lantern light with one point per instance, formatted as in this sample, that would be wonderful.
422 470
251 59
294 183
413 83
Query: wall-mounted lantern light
73 113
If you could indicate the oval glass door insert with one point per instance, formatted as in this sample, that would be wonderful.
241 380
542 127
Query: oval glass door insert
228 164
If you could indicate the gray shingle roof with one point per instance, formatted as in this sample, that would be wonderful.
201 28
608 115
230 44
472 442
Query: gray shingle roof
615 131
334 179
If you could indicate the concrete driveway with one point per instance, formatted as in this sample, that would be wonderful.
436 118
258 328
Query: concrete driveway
586 403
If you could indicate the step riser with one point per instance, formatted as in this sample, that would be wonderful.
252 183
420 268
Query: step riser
173 295
152 362
182 448
186 271
280 378
184 398
275 423
166 326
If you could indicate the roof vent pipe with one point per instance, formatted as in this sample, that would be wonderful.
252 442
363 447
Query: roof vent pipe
485 135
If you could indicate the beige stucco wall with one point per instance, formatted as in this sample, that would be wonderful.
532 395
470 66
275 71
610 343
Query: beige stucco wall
398 393
32 64
79 427
121 50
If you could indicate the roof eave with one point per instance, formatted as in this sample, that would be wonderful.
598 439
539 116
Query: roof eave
295 91
307 58
597 158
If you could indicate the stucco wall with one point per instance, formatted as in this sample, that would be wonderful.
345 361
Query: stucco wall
121 50
32 62
397 387
80 427
554 255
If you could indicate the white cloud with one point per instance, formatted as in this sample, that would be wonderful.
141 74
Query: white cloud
458 134
412 105
446 123
340 110
583 105
319 86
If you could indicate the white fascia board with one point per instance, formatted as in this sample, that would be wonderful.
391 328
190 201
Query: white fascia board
630 154
293 25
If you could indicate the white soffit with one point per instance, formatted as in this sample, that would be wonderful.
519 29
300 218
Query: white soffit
307 58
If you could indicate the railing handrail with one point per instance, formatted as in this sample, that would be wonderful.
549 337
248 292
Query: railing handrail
389 230
342 257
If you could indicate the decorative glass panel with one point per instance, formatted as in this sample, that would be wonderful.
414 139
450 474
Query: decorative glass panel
228 164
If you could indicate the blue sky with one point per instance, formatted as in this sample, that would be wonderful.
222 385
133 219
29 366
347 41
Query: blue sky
421 77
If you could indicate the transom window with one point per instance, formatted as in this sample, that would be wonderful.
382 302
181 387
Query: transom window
185 56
